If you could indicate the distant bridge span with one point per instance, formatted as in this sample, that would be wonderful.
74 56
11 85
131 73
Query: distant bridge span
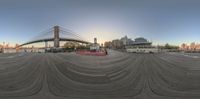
56 39
52 39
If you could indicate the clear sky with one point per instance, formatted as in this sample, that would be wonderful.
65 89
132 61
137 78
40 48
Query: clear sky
161 21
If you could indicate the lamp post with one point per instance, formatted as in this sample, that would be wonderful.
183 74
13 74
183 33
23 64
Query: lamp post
3 47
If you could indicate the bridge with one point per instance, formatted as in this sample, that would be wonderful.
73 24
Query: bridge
56 34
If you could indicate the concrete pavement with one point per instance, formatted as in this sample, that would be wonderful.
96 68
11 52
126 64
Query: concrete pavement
116 76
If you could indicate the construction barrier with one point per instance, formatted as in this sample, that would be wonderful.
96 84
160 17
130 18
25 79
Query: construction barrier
95 53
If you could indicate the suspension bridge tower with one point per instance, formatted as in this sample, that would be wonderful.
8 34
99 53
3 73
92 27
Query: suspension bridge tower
56 37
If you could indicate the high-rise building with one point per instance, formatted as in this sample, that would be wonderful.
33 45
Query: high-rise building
95 46
126 41
117 44
95 40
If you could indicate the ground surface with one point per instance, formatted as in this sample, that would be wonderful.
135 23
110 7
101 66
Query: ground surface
116 76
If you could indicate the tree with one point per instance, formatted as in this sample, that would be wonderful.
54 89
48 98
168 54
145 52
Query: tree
192 45
108 44
167 46
184 46
69 45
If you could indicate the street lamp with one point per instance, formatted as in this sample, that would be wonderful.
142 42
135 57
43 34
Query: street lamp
3 47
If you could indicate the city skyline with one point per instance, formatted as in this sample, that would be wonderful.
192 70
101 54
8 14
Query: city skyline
173 21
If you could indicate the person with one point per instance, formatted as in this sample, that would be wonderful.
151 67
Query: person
106 52
1 50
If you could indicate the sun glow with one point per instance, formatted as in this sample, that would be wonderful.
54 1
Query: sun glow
101 34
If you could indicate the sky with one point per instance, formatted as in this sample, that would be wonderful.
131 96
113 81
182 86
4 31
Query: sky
160 21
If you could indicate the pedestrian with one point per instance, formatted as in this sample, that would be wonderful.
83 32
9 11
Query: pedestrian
106 52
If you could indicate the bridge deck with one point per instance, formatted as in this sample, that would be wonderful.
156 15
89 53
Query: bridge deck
52 39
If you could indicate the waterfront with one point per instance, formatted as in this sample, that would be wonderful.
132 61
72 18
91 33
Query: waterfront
13 50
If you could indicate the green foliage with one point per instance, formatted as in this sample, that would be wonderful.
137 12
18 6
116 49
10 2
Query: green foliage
167 46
